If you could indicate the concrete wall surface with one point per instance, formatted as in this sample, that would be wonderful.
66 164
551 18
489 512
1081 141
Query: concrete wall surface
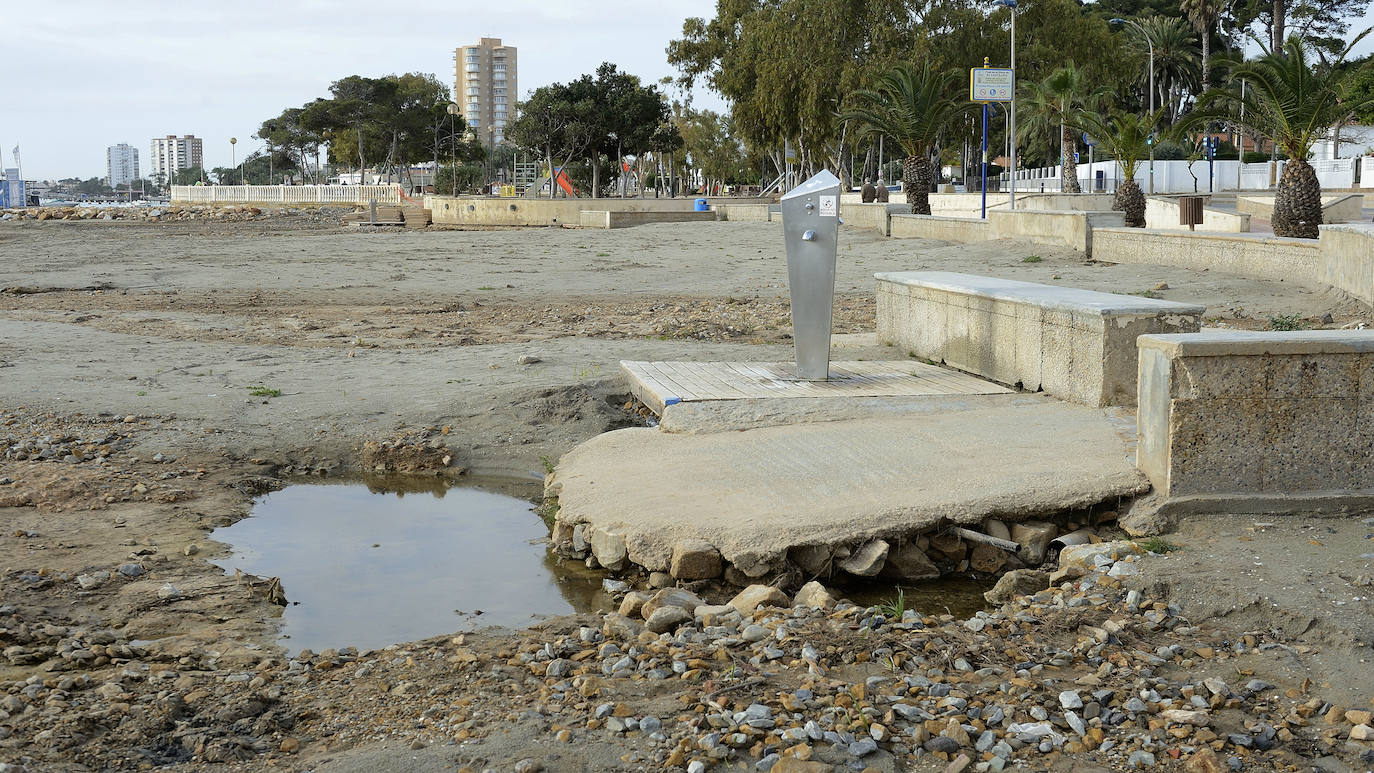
871 216
1336 208
598 219
950 229
971 204
1235 415
1071 229
1347 258
487 211
1077 345
1251 255
1161 214
744 212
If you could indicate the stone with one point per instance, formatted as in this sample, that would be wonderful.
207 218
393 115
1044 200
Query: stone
660 580
715 614
1018 582
1186 717
755 596
168 592
132 570
1084 556
909 562
959 765
794 765
633 603
668 618
609 549
1204 760
1140 759
952 545
813 560
868 560
1069 699
987 558
996 528
941 743
1362 733
694 559
813 595
1034 538
672 597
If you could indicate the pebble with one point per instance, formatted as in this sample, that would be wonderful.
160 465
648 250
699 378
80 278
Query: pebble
1070 700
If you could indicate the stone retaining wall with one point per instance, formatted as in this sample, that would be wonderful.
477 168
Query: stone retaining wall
1161 214
1248 417
603 219
1347 259
1259 257
950 229
1077 345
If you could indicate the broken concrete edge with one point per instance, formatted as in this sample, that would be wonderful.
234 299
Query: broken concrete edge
891 555
1154 515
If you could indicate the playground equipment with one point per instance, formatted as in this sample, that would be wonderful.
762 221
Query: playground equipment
562 180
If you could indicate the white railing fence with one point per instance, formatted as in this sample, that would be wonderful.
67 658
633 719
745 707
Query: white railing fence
285 194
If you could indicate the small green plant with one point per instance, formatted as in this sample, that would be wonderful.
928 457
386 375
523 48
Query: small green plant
262 391
1157 545
1286 322
548 464
140 393
603 254
894 607
486 287
1032 259
548 511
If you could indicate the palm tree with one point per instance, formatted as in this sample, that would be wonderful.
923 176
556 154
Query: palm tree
1293 101
1050 107
1126 138
1176 61
912 107
1203 14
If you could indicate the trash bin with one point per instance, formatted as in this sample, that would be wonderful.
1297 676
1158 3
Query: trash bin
702 206
1190 211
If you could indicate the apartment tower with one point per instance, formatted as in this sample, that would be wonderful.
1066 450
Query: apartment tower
121 164
172 153
485 88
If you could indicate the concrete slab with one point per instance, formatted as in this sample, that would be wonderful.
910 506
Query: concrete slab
756 493
664 384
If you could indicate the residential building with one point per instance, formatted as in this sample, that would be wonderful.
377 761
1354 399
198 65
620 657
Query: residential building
484 87
172 153
121 165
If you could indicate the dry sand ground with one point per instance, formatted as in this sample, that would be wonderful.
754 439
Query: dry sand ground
119 342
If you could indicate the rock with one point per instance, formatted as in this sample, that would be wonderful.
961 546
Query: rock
1069 699
695 559
868 560
996 528
529 764
814 595
754 633
1019 582
660 580
132 570
665 619
794 765
1186 717
1162 286
755 596
1085 556
609 549
619 627
1204 760
952 545
941 743
863 747
813 560
528 359
1362 733
959 765
987 559
671 597
1034 538
1140 759
712 614
633 602
909 562
168 591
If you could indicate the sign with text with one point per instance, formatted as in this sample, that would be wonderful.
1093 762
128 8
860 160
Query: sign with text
991 84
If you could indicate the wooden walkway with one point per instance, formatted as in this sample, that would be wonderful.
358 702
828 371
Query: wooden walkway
660 384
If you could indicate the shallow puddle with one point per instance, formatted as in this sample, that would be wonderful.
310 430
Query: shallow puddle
954 595
372 564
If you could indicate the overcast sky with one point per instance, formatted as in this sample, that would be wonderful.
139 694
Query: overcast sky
97 73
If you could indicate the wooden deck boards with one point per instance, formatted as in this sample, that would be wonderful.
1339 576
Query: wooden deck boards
660 384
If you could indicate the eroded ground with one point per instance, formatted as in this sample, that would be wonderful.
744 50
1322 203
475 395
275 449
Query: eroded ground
155 377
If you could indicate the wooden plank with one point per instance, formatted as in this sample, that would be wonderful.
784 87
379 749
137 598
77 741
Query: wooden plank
728 384
673 387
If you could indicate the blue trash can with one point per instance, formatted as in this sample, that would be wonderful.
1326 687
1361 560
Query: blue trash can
702 206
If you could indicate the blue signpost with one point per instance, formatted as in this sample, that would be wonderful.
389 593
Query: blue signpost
989 84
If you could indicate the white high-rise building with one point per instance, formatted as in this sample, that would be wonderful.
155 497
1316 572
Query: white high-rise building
484 86
172 153
121 164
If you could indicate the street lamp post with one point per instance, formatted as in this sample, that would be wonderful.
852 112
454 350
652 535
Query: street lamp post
233 159
1010 5
453 110
1151 44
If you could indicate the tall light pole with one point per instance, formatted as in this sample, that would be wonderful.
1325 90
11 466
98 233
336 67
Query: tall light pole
233 159
1010 5
1151 44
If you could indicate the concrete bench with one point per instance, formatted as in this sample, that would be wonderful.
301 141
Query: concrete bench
1075 344
1258 420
